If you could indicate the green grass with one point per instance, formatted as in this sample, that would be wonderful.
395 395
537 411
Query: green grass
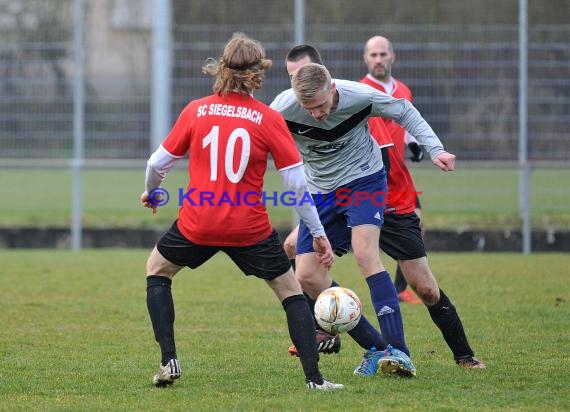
467 198
489 198
76 336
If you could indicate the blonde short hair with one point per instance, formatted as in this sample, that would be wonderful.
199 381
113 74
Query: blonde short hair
309 80
241 67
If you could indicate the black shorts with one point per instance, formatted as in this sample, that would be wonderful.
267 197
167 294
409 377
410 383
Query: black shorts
401 237
266 259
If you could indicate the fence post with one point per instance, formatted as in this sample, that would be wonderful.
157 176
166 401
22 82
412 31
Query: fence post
78 126
161 72
524 187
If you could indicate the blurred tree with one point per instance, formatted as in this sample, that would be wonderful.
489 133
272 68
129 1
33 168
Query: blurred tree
26 22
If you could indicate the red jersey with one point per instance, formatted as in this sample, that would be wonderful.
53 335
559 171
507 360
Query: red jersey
229 140
401 190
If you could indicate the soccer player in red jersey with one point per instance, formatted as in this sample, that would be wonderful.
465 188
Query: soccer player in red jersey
229 136
401 234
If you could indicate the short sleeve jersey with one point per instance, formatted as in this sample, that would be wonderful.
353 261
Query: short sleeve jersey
401 190
228 139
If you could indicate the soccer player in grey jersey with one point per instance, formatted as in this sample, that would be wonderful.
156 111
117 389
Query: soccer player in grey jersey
329 123
336 144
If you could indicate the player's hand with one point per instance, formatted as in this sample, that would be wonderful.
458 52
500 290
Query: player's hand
323 251
417 152
146 203
445 161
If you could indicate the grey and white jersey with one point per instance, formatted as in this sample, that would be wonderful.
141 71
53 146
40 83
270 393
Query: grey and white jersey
340 149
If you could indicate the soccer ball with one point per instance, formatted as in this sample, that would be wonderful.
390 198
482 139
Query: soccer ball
337 310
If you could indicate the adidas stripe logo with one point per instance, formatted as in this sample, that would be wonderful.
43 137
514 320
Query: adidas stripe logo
386 310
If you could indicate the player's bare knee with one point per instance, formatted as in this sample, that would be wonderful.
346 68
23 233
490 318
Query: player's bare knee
305 279
427 293
309 284
367 262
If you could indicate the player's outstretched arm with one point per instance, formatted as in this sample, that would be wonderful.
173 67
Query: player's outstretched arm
445 161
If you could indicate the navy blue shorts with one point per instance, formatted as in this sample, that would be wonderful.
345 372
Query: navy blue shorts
360 202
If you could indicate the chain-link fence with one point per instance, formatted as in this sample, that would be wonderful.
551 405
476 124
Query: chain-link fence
464 77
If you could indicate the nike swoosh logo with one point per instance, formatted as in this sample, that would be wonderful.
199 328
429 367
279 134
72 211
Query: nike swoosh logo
304 131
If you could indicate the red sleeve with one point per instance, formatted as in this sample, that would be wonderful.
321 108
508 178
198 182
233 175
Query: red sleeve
177 142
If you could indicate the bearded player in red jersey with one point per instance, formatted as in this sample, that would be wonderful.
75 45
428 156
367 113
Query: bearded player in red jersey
401 234
229 135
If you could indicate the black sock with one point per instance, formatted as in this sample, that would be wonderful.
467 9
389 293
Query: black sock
300 322
367 336
311 303
400 280
161 310
445 316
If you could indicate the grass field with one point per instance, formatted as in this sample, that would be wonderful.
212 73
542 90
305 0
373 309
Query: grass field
76 336
470 197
